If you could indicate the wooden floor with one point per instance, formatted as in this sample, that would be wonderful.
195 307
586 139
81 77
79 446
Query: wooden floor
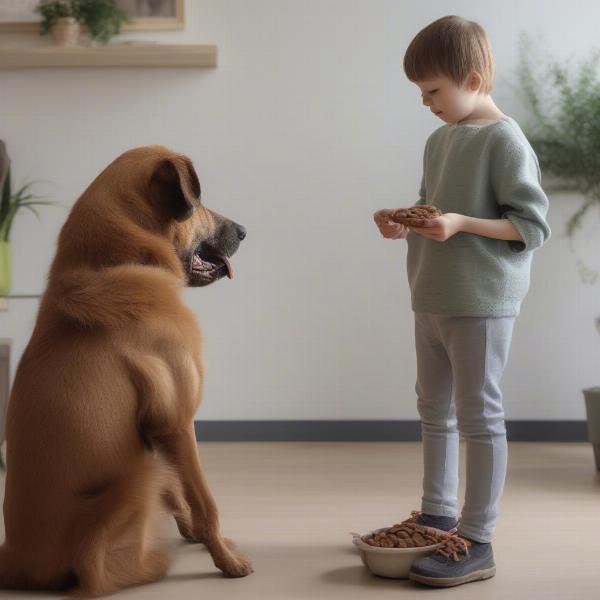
291 506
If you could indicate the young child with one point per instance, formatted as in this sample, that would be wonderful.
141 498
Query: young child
468 272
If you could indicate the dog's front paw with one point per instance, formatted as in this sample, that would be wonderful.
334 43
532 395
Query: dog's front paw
238 566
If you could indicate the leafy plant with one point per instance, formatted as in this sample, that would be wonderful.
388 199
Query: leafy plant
10 204
52 10
102 18
565 104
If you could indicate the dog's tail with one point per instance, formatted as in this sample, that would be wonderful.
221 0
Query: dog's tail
112 296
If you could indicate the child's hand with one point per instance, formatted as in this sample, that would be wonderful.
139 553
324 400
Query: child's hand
389 229
440 228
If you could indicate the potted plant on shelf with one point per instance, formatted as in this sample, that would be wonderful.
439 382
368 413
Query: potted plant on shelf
61 18
10 204
102 19
565 105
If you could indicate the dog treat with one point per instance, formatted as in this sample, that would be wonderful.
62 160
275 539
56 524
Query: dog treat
415 215
405 535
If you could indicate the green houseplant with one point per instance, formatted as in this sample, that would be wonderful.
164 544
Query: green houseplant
102 18
564 102
10 205
61 18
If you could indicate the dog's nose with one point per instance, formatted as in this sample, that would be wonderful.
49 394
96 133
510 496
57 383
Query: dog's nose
241 232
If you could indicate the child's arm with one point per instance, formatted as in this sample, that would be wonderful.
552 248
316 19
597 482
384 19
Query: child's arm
515 178
499 229
516 189
444 227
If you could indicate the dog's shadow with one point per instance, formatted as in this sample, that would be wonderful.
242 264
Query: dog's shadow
180 577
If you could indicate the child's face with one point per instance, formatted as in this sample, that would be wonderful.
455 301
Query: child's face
450 102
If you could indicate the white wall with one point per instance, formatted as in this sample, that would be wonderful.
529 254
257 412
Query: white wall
305 128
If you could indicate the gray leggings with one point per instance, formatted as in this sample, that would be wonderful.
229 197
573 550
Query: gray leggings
464 355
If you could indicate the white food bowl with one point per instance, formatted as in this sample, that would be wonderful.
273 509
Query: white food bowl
390 562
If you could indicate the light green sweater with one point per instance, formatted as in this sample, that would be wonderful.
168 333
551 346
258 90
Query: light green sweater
488 172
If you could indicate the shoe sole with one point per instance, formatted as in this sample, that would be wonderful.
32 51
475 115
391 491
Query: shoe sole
452 581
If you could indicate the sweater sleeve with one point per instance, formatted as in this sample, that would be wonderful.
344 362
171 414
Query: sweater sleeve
515 176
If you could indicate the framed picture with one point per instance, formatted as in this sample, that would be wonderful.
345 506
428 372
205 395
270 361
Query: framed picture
153 15
144 15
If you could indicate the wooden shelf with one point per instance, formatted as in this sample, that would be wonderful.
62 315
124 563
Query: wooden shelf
135 55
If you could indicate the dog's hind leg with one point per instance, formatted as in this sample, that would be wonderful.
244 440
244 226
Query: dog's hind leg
117 543
109 567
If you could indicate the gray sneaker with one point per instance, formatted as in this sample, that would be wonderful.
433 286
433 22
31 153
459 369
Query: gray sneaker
458 560
437 522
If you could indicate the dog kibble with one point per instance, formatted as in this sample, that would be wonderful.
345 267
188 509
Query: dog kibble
405 535
415 215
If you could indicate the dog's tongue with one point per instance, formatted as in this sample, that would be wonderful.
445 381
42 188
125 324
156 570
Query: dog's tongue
229 267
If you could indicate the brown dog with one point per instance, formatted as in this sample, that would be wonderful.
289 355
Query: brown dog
100 430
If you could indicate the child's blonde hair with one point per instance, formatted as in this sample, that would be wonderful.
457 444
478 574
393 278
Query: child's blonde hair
451 47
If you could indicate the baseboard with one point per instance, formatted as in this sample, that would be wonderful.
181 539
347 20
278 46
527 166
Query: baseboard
370 431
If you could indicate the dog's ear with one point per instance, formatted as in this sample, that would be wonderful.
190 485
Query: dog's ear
175 188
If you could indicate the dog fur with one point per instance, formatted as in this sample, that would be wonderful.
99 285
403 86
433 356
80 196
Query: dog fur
100 427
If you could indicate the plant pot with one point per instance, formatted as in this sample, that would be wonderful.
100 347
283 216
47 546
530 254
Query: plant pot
65 32
5 268
592 408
